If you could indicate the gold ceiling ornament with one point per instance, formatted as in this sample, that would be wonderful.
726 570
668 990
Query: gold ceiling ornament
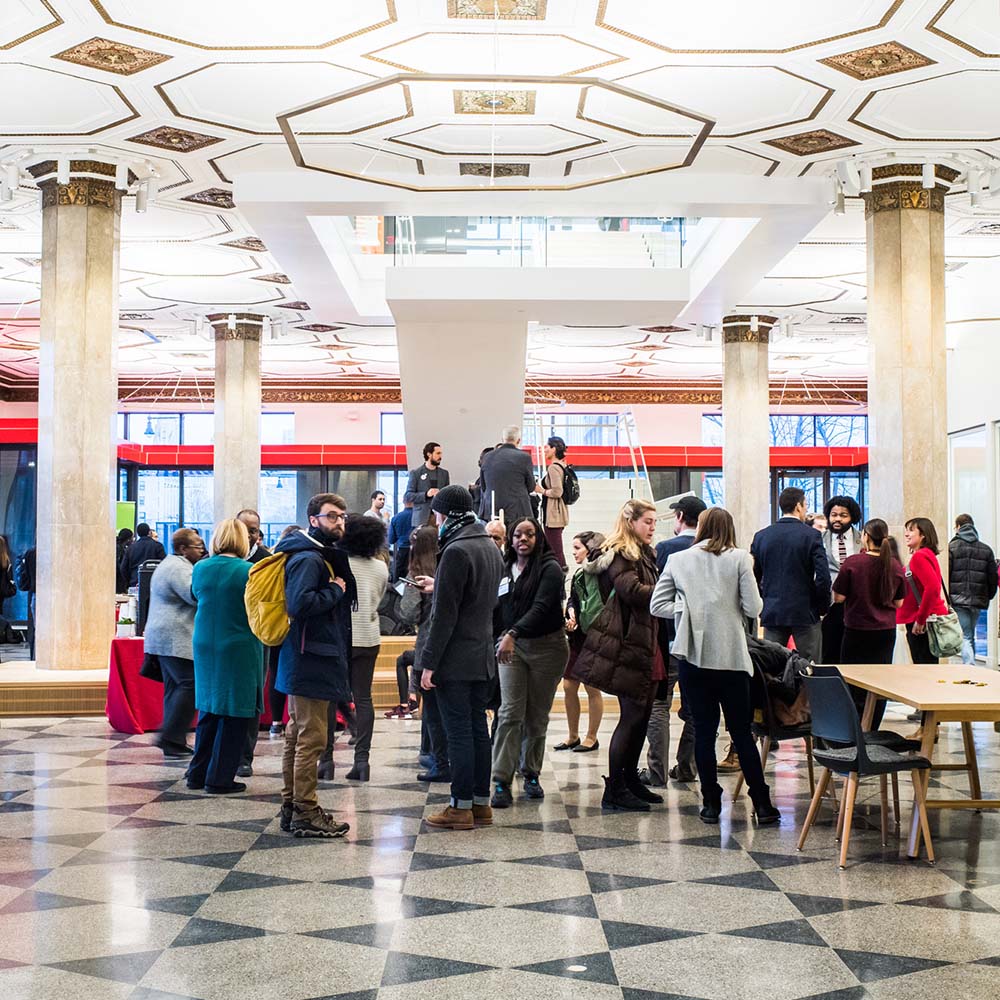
276 278
216 197
177 139
112 56
818 140
253 243
744 329
236 326
879 60
504 10
82 188
494 169
903 196
318 327
490 102
297 306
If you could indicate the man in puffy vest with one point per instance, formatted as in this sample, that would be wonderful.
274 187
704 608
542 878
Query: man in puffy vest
972 579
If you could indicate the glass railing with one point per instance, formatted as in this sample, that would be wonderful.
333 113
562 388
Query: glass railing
525 241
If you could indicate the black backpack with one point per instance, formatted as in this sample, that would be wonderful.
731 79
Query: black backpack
571 486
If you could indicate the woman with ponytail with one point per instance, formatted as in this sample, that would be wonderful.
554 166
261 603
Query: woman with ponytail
871 586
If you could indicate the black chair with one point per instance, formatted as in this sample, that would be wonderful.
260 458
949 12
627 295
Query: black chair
769 730
879 737
835 721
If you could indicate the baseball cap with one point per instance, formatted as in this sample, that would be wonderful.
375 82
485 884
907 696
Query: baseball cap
690 507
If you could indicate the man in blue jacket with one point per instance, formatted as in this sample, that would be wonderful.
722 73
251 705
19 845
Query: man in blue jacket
794 577
313 666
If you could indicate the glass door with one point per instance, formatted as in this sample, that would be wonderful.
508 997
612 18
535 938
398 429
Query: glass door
811 481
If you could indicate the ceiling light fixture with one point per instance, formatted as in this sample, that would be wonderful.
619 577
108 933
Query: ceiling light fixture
974 183
866 178
121 176
231 322
142 197
149 432
754 324
849 176
62 171
839 206
927 176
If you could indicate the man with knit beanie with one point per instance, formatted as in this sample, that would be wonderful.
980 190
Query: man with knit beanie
459 660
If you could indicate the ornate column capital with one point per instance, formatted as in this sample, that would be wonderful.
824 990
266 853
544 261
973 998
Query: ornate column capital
90 182
739 329
237 326
899 187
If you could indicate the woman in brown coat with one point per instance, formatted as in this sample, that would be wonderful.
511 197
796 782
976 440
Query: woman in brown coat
555 514
620 654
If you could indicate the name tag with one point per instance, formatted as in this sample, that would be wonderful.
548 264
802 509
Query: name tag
504 587
424 476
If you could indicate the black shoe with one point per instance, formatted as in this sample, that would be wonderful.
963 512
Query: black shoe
353 741
172 751
568 744
426 760
763 810
233 789
682 773
244 771
711 808
429 776
649 779
585 749
532 789
360 772
620 799
325 769
501 798
641 792
194 785
285 817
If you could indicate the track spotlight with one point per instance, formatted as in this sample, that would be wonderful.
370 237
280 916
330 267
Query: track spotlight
839 208
927 177
754 324
231 322
866 178
62 171
974 183
849 176
121 176
142 196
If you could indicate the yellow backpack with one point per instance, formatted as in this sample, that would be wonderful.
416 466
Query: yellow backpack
267 610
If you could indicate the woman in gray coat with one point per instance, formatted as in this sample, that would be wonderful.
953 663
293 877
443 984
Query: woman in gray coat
169 627
709 590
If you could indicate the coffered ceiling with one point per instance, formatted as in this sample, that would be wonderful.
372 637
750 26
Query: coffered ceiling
464 95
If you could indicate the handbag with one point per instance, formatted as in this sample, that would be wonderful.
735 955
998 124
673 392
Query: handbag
151 669
944 632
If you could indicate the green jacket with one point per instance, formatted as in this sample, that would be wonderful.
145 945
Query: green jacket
228 659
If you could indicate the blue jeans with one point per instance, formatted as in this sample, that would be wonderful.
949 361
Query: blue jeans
218 746
967 618
463 713
430 720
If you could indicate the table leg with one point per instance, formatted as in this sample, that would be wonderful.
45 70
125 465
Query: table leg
971 761
869 712
926 750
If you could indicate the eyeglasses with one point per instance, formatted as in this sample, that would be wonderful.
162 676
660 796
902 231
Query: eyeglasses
334 517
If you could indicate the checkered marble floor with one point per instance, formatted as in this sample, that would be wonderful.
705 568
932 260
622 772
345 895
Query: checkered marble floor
116 881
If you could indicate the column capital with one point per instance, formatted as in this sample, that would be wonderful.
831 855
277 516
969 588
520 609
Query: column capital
244 326
738 329
899 187
91 182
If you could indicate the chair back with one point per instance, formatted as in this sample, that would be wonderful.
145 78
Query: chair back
834 717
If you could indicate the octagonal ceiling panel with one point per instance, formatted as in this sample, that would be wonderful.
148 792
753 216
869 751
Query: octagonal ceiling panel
362 157
594 369
561 336
779 293
60 104
938 108
478 139
579 355
211 291
24 19
164 223
248 96
372 335
175 259
822 262
249 24
972 24
741 26
508 52
640 158
741 99
634 115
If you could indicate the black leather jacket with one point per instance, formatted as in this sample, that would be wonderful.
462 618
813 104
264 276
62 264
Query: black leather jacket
972 574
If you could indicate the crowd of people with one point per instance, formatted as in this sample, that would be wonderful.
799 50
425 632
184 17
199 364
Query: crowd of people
498 629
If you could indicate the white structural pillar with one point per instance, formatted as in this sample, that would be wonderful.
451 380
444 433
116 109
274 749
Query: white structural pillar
907 385
463 382
77 403
237 412
746 429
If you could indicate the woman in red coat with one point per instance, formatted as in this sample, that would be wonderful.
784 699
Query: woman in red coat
923 588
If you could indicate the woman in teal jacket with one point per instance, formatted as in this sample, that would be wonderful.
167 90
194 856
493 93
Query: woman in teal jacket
228 662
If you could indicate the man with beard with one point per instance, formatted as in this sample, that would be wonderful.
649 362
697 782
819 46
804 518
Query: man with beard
425 482
313 666
840 540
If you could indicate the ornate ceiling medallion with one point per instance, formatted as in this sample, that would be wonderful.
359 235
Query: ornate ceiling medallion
275 279
297 306
114 57
254 243
216 197
505 10
177 139
499 102
878 60
319 327
494 169
819 140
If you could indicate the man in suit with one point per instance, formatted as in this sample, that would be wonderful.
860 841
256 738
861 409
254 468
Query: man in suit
508 479
424 484
686 512
144 548
793 575
840 540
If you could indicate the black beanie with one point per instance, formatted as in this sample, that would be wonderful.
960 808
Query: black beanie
452 499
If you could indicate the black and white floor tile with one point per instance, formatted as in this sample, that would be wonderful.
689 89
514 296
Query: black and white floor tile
117 882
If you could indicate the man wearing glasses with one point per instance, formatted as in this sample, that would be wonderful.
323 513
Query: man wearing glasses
314 659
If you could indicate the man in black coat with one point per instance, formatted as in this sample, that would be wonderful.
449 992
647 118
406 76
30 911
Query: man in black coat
793 574
424 483
141 550
508 480
459 658
972 579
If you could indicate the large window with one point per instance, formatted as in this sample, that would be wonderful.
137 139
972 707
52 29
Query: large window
158 500
391 427
795 430
279 503
196 428
585 429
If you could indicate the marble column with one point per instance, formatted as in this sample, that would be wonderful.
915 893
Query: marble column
907 387
237 412
746 431
77 403
463 383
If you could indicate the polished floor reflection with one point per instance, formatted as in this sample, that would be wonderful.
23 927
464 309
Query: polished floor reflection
116 881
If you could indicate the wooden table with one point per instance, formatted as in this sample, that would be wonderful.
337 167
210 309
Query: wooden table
920 685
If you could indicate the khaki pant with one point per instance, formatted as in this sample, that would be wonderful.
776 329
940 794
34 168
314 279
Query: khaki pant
305 738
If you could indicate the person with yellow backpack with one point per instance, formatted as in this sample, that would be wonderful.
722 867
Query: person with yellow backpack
301 599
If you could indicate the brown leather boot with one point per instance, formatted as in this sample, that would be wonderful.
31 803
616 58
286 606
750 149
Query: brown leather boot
482 815
452 819
732 762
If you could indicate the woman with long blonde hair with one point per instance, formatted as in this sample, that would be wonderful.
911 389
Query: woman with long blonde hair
620 654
